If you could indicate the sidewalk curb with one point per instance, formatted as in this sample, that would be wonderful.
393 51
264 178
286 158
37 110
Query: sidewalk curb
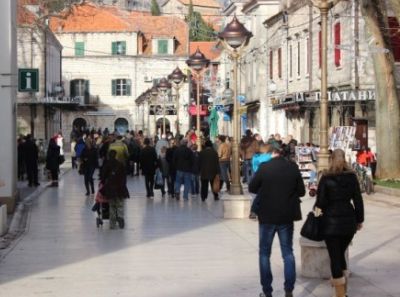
19 218
388 191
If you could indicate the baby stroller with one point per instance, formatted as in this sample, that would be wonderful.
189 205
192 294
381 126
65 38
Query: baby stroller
102 207
312 184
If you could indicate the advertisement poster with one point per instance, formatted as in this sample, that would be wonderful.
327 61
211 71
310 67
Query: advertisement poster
342 137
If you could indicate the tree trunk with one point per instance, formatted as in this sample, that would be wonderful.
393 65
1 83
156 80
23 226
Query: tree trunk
387 102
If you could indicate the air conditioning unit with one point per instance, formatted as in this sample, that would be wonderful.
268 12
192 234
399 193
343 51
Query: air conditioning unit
148 78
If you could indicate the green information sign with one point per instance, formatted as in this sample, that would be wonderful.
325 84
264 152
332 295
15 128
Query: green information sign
28 80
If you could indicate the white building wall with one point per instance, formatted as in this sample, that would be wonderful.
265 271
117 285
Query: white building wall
98 43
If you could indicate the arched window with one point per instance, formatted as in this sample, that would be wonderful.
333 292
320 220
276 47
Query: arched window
121 125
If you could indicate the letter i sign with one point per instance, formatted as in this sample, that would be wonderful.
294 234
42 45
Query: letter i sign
28 80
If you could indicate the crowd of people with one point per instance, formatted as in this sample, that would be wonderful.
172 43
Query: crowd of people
168 163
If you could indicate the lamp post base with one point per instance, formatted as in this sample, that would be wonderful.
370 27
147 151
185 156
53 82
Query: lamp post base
236 206
236 189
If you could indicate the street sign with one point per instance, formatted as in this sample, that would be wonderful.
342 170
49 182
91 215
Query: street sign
28 80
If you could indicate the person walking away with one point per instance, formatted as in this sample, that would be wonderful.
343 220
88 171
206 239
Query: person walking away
121 149
248 147
172 170
224 155
80 145
183 160
52 161
340 202
134 154
163 142
164 168
279 185
148 163
195 184
31 154
113 178
89 160
209 168
263 156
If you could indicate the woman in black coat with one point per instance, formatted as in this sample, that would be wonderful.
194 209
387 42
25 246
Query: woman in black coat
209 168
53 161
89 163
148 164
340 202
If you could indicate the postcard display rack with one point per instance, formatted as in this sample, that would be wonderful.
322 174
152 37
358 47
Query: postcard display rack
343 137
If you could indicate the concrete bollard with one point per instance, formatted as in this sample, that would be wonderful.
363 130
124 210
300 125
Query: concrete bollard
236 206
315 262
3 219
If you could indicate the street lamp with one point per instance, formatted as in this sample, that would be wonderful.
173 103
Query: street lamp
323 155
163 86
177 78
234 39
198 63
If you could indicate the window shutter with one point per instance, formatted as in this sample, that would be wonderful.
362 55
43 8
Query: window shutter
280 62
128 87
123 46
271 66
72 90
79 48
320 48
114 48
87 85
162 46
114 87
338 53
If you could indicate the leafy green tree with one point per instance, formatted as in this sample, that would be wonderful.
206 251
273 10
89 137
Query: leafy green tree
199 30
155 8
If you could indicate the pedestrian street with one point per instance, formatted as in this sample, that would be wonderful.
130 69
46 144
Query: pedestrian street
175 249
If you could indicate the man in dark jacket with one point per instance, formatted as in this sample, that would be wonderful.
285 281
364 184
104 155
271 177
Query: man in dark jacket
209 168
279 185
31 155
148 163
183 160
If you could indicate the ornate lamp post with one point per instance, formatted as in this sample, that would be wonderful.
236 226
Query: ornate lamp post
163 86
154 95
198 63
323 155
235 37
177 78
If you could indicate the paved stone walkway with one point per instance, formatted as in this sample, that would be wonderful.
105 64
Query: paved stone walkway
174 249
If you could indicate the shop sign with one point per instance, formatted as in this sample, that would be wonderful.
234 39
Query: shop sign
353 95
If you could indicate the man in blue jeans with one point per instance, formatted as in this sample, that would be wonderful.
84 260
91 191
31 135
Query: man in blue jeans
279 186
183 160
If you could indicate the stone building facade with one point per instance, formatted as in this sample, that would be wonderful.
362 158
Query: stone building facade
110 58
294 59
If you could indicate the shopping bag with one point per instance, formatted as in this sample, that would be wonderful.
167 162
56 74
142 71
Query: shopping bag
312 228
159 181
216 185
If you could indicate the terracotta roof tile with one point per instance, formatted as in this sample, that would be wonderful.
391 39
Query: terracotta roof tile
24 16
210 49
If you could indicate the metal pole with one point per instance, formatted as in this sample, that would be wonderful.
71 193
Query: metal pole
177 111
148 119
323 156
236 187
198 141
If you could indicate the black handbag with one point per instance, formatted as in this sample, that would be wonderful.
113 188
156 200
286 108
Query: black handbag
312 228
